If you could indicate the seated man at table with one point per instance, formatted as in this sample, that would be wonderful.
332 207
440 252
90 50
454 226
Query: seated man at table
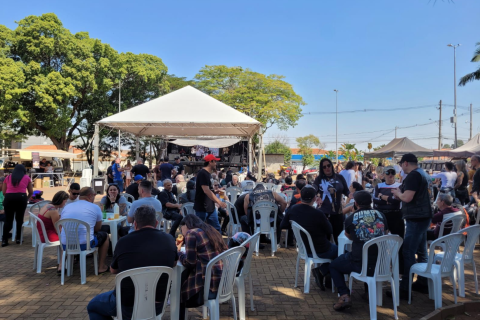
360 227
317 225
85 210
444 204
136 250
145 198
133 188
171 209
73 192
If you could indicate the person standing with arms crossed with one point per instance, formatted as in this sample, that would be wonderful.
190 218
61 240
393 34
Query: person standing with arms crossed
205 199
417 212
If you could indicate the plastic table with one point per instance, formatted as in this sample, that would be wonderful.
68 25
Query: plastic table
113 229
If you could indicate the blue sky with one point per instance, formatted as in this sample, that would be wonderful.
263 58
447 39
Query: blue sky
379 54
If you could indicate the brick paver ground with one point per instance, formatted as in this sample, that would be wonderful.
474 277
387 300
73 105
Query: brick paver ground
24 294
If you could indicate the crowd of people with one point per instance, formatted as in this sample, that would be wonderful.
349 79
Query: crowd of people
365 204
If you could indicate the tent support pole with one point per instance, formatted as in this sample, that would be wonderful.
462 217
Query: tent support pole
137 147
260 149
250 156
96 138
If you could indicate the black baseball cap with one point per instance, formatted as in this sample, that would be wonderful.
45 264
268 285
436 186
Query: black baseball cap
177 157
362 198
308 193
409 157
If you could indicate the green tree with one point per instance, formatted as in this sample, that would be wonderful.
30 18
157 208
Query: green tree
446 146
332 155
460 143
58 84
277 147
473 75
305 145
266 98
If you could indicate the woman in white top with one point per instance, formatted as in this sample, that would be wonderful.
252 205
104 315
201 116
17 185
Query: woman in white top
349 173
449 177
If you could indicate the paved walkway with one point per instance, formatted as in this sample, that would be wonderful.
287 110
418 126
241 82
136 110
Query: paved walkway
25 294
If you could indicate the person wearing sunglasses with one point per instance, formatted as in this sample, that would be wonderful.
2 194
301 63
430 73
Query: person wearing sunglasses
331 187
386 203
74 191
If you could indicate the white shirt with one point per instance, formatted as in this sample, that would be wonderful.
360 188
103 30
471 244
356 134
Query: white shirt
84 211
349 176
71 201
359 176
150 201
448 178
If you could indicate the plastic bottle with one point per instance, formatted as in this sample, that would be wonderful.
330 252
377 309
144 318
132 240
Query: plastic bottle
116 211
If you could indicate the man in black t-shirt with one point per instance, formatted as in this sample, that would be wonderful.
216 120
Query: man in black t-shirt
166 170
417 213
317 225
141 169
110 173
136 250
360 227
133 188
205 199
178 166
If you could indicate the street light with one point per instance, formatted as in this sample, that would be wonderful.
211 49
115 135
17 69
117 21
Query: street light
336 123
454 46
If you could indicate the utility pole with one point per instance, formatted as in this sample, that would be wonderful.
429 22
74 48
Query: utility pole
440 127
336 123
455 89
471 120
119 110
396 132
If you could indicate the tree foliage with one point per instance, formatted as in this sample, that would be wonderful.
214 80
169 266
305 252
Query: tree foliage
305 145
473 75
277 147
58 84
266 98
350 152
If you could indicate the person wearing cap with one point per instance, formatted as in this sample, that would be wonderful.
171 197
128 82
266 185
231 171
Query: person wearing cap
331 187
178 166
363 225
417 212
205 199
133 188
319 228
386 203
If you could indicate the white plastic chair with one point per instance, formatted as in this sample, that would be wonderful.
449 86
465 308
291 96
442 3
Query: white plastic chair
386 269
435 272
161 220
265 208
240 280
473 232
230 260
35 209
145 281
187 208
289 194
233 192
302 254
72 247
232 226
248 187
455 222
40 246
269 186
129 197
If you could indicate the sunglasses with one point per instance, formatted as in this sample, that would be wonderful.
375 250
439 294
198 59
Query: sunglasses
390 172
327 166
75 193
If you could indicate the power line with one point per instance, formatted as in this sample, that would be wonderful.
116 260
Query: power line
383 110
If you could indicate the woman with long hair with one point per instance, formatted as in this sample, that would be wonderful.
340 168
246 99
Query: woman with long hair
331 187
14 189
128 174
113 196
461 184
189 195
49 215
202 244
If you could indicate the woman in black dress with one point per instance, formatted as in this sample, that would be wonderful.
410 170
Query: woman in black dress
331 187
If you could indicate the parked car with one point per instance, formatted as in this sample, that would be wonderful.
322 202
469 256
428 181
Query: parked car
312 169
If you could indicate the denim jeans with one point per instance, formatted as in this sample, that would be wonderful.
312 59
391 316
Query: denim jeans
415 242
210 218
104 307
341 266
332 253
119 184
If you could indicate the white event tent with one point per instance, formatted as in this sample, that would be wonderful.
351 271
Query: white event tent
182 114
